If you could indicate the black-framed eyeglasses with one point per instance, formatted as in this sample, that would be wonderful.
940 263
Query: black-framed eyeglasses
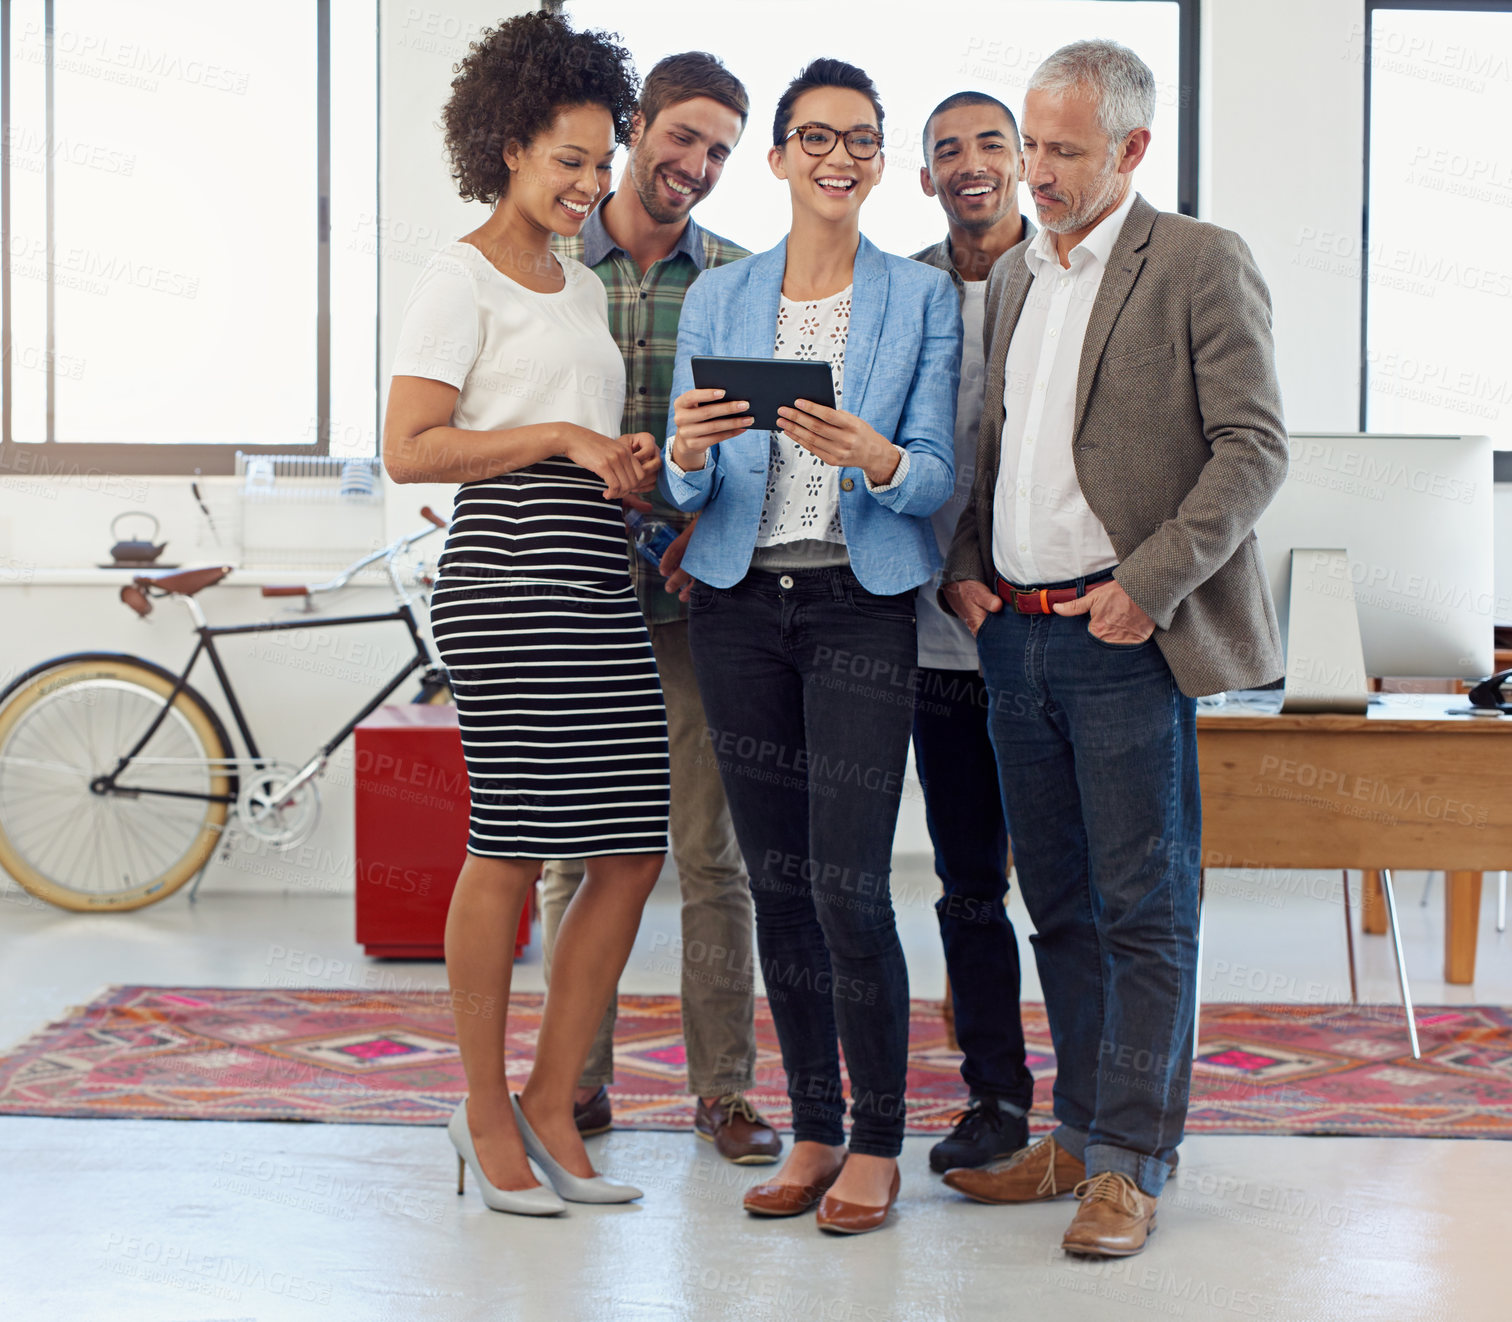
819 140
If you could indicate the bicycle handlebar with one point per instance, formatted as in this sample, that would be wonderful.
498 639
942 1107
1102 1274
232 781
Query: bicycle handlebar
387 554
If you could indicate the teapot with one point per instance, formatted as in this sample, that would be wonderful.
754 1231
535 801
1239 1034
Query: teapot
135 552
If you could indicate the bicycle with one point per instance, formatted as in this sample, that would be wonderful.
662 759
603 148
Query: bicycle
118 778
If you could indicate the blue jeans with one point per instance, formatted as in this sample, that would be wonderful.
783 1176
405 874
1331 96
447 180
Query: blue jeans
807 683
1097 758
964 808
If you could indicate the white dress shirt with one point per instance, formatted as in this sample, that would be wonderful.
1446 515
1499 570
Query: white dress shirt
1042 528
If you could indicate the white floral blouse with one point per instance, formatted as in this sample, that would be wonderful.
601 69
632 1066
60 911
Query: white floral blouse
803 493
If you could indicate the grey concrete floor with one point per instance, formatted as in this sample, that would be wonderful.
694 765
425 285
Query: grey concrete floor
147 1221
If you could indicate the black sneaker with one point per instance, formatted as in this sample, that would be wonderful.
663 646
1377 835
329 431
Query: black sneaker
983 1132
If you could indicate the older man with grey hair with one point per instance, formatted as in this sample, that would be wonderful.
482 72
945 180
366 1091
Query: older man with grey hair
1107 564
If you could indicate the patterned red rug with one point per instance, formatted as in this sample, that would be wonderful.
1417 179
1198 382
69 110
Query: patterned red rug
218 1053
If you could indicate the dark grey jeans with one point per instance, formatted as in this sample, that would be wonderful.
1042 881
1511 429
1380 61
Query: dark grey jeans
808 685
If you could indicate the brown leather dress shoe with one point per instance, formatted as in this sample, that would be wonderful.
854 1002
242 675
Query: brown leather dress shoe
737 1131
1031 1175
842 1218
1114 1220
595 1116
773 1199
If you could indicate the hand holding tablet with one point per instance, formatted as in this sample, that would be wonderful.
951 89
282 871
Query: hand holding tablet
840 439
732 395
766 383
703 418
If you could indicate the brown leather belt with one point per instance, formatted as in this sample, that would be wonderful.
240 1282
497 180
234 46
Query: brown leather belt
1038 601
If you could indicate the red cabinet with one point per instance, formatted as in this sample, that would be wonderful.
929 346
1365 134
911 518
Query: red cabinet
411 827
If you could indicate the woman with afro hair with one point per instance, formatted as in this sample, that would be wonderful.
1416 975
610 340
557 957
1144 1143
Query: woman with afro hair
508 382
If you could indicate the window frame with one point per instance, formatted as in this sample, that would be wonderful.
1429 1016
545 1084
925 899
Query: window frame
1188 118
1502 459
55 457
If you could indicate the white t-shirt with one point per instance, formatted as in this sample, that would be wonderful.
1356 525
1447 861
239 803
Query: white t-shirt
944 642
517 356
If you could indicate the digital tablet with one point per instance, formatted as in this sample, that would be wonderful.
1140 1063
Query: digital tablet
767 383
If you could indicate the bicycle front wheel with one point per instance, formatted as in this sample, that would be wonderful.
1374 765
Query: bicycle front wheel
84 849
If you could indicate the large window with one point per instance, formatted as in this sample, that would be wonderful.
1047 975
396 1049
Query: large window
1438 268
173 173
917 54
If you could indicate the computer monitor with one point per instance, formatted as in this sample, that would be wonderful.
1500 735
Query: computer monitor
1414 514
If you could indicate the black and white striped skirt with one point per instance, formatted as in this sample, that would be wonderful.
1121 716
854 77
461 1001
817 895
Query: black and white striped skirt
563 724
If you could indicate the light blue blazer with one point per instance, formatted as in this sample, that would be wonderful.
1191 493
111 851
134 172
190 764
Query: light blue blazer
902 364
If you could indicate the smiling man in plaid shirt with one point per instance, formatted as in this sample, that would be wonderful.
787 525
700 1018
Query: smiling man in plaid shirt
645 247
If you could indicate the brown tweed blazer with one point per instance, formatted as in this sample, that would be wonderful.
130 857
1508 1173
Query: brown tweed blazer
1178 440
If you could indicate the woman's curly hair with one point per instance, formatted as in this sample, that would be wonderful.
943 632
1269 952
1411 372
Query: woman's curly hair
511 84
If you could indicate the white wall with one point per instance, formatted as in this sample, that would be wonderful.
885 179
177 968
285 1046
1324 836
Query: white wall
419 210
1282 141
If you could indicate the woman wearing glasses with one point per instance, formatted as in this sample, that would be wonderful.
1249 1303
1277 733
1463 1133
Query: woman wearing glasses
810 542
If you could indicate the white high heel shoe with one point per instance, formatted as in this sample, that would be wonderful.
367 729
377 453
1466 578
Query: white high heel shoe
537 1201
574 1188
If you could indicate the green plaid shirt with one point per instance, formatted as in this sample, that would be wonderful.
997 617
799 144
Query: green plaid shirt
643 315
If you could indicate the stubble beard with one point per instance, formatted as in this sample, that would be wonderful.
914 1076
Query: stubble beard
1106 190
645 185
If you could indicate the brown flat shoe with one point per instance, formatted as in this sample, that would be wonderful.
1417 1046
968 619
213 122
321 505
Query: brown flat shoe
1114 1220
595 1116
774 1199
737 1131
1034 1174
842 1218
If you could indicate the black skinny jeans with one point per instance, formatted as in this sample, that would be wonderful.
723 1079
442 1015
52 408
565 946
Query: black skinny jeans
964 807
807 682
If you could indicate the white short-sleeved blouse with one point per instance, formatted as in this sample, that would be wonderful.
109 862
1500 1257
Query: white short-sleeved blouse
517 356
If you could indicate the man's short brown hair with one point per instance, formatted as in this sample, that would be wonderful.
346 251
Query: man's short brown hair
679 78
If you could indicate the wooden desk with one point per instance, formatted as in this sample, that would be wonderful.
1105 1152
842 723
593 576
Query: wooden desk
1407 786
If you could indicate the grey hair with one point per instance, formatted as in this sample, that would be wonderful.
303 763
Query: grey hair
1112 75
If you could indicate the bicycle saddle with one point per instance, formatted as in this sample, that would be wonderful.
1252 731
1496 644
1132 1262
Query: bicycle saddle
186 582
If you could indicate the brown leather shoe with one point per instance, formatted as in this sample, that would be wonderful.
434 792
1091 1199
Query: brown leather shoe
1114 1220
842 1218
773 1199
1034 1174
595 1116
737 1131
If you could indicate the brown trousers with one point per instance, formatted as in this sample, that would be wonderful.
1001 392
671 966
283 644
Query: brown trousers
716 958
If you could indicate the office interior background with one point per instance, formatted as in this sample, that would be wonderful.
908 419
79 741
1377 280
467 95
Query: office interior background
213 216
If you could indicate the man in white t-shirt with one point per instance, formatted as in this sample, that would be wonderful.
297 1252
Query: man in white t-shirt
973 166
